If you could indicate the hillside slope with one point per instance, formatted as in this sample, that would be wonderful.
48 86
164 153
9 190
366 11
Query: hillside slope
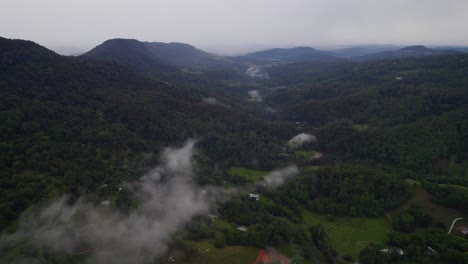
71 125
151 57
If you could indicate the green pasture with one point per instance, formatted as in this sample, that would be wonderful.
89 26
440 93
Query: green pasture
349 235
249 174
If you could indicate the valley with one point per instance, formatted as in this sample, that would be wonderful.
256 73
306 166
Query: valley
164 153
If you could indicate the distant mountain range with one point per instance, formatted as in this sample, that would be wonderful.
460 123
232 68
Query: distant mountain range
151 57
360 50
297 54
411 51
457 48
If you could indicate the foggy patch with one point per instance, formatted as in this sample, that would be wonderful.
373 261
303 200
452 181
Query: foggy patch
255 95
276 178
257 72
213 101
270 109
210 100
300 139
168 199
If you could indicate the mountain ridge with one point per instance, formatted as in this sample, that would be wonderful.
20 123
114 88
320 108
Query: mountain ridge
154 56
405 52
296 54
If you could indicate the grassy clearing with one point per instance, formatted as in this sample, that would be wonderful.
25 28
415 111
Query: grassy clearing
307 154
346 237
249 174
220 224
345 232
361 127
226 255
423 199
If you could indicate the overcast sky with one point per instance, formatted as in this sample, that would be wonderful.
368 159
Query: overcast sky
237 23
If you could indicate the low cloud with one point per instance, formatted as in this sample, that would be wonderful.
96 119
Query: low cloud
168 199
210 100
300 139
277 178
255 95
269 109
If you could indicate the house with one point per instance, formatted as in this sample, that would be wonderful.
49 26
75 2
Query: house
212 217
242 228
394 250
462 229
386 250
254 196
399 251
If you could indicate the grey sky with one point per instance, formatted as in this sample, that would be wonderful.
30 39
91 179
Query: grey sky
236 23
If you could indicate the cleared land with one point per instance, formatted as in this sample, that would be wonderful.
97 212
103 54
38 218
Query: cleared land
226 255
423 199
304 153
248 174
344 233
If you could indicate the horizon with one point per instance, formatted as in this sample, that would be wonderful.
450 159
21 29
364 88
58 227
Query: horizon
233 50
238 26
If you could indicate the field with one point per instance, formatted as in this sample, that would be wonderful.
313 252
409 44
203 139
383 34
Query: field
423 199
227 255
221 225
349 235
361 127
307 154
248 174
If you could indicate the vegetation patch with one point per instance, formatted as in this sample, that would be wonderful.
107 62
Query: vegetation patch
248 174
349 235
223 225
227 255
422 199
361 127
307 154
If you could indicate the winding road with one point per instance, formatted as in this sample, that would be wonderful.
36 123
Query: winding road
453 223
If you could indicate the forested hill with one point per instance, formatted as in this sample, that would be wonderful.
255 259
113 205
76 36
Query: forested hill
408 112
152 57
442 76
129 52
70 125
15 51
